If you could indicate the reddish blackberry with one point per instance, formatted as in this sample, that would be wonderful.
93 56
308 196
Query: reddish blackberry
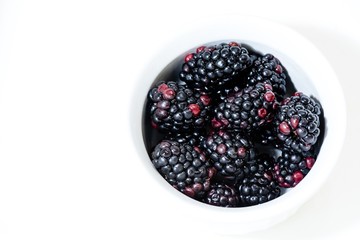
183 166
222 195
246 110
215 65
228 152
291 167
297 123
177 108
256 189
268 69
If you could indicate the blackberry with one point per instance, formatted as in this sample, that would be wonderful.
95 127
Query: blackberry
297 123
228 152
291 167
268 69
215 65
256 189
307 102
247 109
258 186
222 195
183 166
177 108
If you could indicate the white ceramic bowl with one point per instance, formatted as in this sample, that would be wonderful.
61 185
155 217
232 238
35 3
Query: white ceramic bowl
311 74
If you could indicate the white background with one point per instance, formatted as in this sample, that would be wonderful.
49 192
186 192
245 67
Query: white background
67 70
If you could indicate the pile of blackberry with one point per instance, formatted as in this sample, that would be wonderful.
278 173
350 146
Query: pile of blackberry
229 128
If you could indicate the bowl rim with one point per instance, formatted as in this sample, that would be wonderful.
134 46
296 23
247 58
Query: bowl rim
241 28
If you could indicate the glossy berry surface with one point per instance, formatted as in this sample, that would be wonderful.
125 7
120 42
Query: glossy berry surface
297 123
228 152
222 195
177 108
213 66
185 167
256 189
291 167
268 69
247 109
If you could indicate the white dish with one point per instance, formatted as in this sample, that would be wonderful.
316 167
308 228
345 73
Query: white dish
311 74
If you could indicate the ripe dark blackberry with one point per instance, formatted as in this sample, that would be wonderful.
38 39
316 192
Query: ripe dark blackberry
307 102
258 186
297 123
215 65
268 69
291 167
247 109
229 152
183 166
256 189
222 195
177 108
